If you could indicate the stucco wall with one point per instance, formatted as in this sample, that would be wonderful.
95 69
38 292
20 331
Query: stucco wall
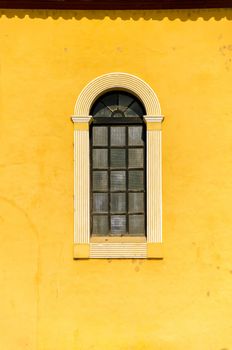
49 301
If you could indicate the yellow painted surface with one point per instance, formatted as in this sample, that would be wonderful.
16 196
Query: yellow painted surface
153 126
81 126
81 251
155 250
50 301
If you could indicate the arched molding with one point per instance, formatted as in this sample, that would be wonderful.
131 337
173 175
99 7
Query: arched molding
113 81
84 245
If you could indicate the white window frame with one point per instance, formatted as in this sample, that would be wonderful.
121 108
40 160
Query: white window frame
117 247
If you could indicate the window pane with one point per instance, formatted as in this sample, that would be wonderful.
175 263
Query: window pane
100 158
111 100
136 202
100 180
124 101
118 202
100 202
136 224
118 158
118 180
136 180
100 136
100 224
136 158
100 110
135 110
135 135
118 224
118 135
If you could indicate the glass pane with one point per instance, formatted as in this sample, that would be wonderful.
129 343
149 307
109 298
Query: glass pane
111 100
118 135
100 110
136 202
118 224
136 224
100 136
136 158
100 158
117 158
100 202
136 180
100 224
135 135
118 202
118 180
124 101
135 110
100 180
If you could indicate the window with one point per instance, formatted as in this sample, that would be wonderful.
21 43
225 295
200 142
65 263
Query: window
117 169
117 158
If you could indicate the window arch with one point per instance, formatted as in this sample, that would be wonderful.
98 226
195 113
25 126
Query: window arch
85 245
117 166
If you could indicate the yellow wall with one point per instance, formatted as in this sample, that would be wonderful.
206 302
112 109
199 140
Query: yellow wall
49 301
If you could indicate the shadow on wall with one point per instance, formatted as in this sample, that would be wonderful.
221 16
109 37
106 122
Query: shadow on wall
156 15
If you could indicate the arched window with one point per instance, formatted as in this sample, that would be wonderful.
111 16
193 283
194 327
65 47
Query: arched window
117 169
117 166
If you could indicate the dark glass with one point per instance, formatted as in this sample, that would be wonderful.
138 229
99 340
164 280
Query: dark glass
100 202
100 110
111 100
100 158
100 180
136 202
118 202
136 158
117 158
118 180
100 225
118 224
135 110
136 180
124 101
117 165
135 136
136 224
118 135
100 136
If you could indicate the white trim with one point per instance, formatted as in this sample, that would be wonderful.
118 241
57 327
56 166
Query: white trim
153 119
118 250
81 116
113 81
81 187
77 119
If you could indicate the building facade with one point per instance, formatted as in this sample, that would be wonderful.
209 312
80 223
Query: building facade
49 300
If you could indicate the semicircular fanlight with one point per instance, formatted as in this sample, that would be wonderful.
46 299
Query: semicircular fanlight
117 104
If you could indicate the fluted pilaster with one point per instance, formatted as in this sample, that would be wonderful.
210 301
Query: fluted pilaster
81 180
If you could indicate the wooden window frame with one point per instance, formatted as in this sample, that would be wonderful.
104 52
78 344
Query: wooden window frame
85 246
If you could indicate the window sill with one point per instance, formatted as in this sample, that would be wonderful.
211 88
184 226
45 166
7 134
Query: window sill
115 249
125 239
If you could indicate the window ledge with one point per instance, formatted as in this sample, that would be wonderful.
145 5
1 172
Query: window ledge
104 239
119 250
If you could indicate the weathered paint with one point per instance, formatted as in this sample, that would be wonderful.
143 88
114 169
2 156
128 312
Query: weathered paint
50 301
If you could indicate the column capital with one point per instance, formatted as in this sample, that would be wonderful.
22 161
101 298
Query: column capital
81 123
153 122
